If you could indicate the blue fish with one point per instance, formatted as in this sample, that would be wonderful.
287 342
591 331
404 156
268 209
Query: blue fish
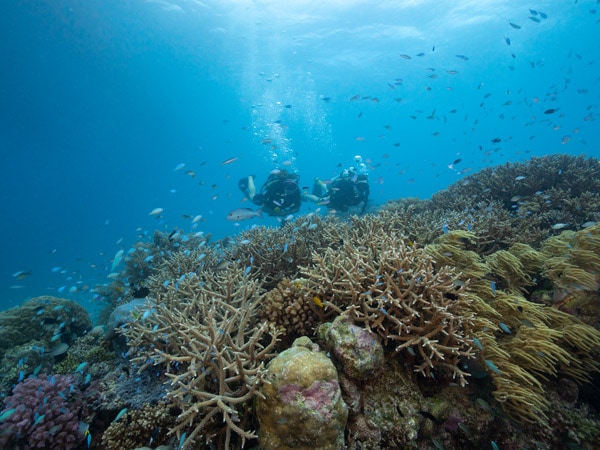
80 367
181 441
493 286
121 414
478 343
493 367
504 328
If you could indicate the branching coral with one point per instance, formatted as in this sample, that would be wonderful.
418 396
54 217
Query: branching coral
394 290
204 332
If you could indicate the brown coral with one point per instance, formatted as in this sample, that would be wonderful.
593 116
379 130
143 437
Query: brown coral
394 290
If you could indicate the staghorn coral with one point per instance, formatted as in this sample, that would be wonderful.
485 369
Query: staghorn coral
503 205
274 254
394 290
204 333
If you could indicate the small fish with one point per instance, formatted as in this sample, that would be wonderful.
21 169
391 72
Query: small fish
191 173
504 328
229 161
514 25
181 441
527 323
534 19
80 367
437 444
22 274
243 214
317 301
179 167
550 111
520 178
7 413
485 405
493 287
477 342
197 218
507 40
117 260
405 56
39 419
120 415
456 161
463 57
559 226
494 445
493 367
155 212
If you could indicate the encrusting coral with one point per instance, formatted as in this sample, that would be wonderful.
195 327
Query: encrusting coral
301 387
204 333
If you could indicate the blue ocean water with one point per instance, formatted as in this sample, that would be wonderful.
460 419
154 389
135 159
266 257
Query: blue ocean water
101 102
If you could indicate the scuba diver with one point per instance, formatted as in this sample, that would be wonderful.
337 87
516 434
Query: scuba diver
349 189
279 196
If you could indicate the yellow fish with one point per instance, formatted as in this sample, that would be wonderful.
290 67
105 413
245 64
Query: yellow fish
318 301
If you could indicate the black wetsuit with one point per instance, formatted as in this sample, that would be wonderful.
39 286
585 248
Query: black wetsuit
347 191
280 195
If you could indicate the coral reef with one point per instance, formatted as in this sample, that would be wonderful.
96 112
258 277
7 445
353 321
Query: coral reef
300 406
394 290
205 336
493 281
135 428
290 307
358 351
48 320
42 412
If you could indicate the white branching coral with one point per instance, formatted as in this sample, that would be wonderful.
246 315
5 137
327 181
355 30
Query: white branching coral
203 330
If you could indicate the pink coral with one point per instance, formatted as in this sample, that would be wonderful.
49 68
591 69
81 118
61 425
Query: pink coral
45 414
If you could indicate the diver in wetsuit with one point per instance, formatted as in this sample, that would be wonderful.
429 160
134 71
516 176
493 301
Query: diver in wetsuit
279 196
349 189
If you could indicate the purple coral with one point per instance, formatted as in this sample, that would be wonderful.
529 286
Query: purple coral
44 414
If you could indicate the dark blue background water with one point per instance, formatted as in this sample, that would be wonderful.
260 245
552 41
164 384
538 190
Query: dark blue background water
101 100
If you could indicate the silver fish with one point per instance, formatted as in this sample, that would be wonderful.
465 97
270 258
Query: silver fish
243 214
